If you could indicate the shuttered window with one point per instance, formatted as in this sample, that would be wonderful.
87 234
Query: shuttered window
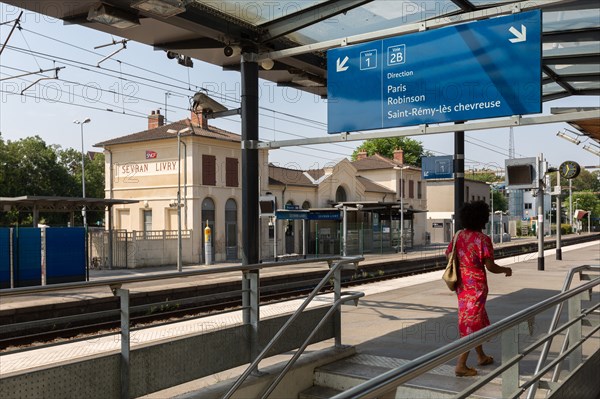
411 189
231 172
209 170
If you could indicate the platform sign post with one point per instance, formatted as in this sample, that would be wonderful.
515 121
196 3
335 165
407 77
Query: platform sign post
483 69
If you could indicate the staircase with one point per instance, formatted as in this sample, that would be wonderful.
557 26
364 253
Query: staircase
440 382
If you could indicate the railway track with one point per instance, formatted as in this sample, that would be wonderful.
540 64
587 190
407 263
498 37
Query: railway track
94 320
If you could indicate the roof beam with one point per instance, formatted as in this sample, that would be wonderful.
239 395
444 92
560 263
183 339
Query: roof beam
513 121
578 59
303 18
464 5
580 35
191 44
409 28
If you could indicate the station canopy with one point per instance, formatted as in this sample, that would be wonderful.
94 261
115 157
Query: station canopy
291 36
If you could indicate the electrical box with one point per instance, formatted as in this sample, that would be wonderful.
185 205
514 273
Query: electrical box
267 205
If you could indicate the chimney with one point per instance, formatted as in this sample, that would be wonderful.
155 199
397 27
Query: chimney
399 156
155 119
361 155
198 119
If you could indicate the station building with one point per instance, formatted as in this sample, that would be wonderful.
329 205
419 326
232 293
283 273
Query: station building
144 166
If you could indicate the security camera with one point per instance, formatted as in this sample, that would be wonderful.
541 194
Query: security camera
230 51
172 55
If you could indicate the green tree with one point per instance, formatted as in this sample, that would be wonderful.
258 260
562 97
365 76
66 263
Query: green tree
586 181
413 149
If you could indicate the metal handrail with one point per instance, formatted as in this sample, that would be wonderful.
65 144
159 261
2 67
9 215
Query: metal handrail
554 322
136 279
334 269
395 377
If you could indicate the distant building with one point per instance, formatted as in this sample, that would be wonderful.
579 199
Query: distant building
144 166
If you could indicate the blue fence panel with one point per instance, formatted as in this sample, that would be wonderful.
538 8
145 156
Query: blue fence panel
65 255
4 257
28 259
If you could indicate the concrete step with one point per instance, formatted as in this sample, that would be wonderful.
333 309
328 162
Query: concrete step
438 383
318 392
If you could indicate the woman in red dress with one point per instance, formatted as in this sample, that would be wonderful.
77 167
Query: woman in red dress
475 254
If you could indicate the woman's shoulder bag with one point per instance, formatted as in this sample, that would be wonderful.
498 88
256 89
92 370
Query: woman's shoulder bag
452 268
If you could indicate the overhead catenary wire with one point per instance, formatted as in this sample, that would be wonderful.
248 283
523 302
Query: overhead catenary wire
101 71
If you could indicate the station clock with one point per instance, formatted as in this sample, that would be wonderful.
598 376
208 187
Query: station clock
569 169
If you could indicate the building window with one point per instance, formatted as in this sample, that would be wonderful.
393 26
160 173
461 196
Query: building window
411 189
419 190
306 205
209 170
231 229
340 195
231 172
147 215
528 205
208 214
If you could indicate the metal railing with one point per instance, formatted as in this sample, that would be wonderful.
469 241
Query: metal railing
249 291
508 329
335 273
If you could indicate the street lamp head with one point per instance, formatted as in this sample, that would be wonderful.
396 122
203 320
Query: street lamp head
86 120
78 122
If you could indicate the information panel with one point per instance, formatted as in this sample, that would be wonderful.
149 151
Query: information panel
476 70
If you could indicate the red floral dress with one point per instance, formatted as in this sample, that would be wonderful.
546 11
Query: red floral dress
472 289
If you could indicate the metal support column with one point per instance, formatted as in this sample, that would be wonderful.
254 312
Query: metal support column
250 194
540 211
125 346
337 316
510 349
558 219
574 332
459 175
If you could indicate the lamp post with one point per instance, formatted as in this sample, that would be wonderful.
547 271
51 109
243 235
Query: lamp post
179 245
81 123
401 169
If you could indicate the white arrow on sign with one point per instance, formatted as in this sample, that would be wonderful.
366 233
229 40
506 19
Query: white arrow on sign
341 66
519 36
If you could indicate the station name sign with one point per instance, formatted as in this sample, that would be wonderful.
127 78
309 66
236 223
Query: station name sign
476 70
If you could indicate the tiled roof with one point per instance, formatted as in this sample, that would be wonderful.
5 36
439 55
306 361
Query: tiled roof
373 187
161 133
375 162
288 176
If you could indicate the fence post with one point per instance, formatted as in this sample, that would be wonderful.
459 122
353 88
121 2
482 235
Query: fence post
337 294
11 259
125 340
251 307
574 334
510 349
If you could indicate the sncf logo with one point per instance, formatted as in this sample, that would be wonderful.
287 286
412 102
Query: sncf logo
151 154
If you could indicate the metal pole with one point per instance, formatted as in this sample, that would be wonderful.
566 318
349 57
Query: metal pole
540 212
125 345
250 194
492 222
402 211
571 203
558 219
83 175
345 228
179 246
459 175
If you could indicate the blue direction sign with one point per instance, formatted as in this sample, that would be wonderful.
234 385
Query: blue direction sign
440 167
476 70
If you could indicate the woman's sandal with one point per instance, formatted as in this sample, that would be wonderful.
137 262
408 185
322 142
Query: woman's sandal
469 372
487 361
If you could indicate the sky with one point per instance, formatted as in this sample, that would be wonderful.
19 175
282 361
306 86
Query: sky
118 95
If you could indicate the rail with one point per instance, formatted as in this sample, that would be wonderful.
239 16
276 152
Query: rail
335 273
554 323
508 330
